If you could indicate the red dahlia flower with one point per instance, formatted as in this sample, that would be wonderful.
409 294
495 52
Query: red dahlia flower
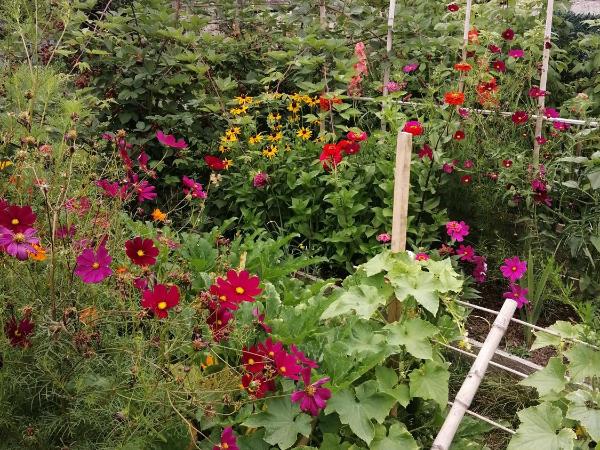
413 127
520 117
452 7
17 332
494 48
161 299
141 251
325 103
228 440
459 135
170 141
357 137
508 34
426 151
507 163
348 147
215 163
17 218
331 155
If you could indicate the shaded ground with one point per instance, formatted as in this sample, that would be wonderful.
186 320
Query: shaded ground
586 7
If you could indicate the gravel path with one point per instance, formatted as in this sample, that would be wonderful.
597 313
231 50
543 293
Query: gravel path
586 7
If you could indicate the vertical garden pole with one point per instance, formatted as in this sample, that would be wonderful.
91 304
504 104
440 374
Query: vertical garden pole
323 21
473 380
467 28
388 54
539 122
400 206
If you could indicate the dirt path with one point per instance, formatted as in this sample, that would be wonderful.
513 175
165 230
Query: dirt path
586 7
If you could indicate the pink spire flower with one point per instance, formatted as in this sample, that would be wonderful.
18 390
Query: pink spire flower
18 244
513 268
518 294
457 230
228 440
170 141
193 188
314 397
93 267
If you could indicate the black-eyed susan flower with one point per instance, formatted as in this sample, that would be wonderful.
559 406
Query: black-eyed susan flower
270 151
304 133
293 107
275 136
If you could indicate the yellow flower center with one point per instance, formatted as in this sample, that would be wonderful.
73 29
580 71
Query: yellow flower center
162 305
514 268
19 237
251 361
223 298
219 322
271 354
140 252
15 221
310 390
239 290
95 265
282 369
225 445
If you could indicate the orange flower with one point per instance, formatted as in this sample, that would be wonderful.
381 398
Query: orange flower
40 253
473 35
462 66
121 269
158 215
454 98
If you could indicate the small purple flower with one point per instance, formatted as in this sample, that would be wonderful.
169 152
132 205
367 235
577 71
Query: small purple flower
314 397
384 238
410 67
516 53
18 244
392 86
93 267
261 179
518 294
561 126
463 112
513 268
457 230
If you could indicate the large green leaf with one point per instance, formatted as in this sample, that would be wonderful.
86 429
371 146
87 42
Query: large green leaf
562 328
421 287
396 438
376 404
413 334
430 382
382 262
387 379
584 406
541 428
584 362
362 299
550 380
445 277
352 413
282 421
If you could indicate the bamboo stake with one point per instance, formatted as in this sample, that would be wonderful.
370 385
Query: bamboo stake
323 21
467 28
487 420
543 80
400 206
401 189
473 380
388 50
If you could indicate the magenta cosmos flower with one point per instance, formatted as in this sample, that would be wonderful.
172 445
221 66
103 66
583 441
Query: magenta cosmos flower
466 253
314 397
410 68
228 440
457 230
170 141
93 267
161 299
421 257
17 218
193 188
18 244
513 268
145 191
518 294
516 53
18 332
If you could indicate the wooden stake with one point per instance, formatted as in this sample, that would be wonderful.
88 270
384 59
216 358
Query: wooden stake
323 21
473 380
388 62
467 28
543 80
401 190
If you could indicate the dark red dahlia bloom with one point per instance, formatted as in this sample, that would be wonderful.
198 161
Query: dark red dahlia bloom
520 117
18 332
161 299
330 156
141 251
426 151
17 218
459 135
508 34
499 66
215 163
452 7
218 320
466 179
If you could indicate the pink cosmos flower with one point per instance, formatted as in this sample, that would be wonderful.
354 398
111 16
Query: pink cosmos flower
18 244
466 253
519 117
457 230
516 53
468 164
228 440
541 140
314 397
561 126
551 112
426 151
302 359
112 189
536 92
79 206
145 191
421 257
287 365
65 232
518 294
410 67
93 267
18 332
480 269
193 188
161 299
448 167
170 141
384 238
513 268
260 180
